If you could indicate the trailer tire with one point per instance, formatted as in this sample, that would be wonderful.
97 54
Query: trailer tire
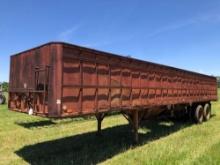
198 115
207 112
2 99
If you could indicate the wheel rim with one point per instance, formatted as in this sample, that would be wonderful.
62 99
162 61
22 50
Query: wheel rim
207 112
200 113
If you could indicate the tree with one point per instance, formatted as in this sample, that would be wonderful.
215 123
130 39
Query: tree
5 86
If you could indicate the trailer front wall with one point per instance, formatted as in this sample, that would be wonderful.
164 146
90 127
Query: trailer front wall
23 83
95 82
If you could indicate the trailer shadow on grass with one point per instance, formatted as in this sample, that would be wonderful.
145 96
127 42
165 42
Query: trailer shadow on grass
88 148
36 124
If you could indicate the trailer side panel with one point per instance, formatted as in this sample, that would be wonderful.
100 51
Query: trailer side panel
95 82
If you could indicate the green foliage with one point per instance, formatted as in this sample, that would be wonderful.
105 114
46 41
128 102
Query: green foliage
5 86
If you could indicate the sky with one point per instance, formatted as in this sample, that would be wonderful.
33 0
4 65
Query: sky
183 34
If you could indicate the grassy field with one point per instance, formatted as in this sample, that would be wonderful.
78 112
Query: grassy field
33 140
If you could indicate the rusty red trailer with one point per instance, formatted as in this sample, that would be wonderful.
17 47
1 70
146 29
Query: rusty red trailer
63 80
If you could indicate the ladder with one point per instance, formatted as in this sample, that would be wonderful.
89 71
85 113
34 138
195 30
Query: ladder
41 77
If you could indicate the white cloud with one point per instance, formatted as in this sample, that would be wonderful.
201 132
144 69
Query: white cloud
113 40
209 18
98 44
67 34
171 27
185 23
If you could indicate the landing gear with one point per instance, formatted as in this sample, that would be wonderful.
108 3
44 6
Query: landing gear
135 126
99 117
133 118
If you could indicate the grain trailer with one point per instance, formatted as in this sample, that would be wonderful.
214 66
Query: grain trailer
58 80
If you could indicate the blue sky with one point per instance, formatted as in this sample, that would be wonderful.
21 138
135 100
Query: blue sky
184 34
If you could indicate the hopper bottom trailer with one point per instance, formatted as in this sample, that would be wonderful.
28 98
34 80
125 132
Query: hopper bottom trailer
58 80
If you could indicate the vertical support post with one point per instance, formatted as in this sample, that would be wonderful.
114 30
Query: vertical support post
99 117
135 125
133 120
99 126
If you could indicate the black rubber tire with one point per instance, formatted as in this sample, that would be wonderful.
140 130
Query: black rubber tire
2 99
198 115
207 112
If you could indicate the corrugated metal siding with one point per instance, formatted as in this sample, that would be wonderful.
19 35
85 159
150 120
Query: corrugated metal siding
94 82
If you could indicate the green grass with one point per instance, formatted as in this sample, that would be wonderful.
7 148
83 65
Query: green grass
33 140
